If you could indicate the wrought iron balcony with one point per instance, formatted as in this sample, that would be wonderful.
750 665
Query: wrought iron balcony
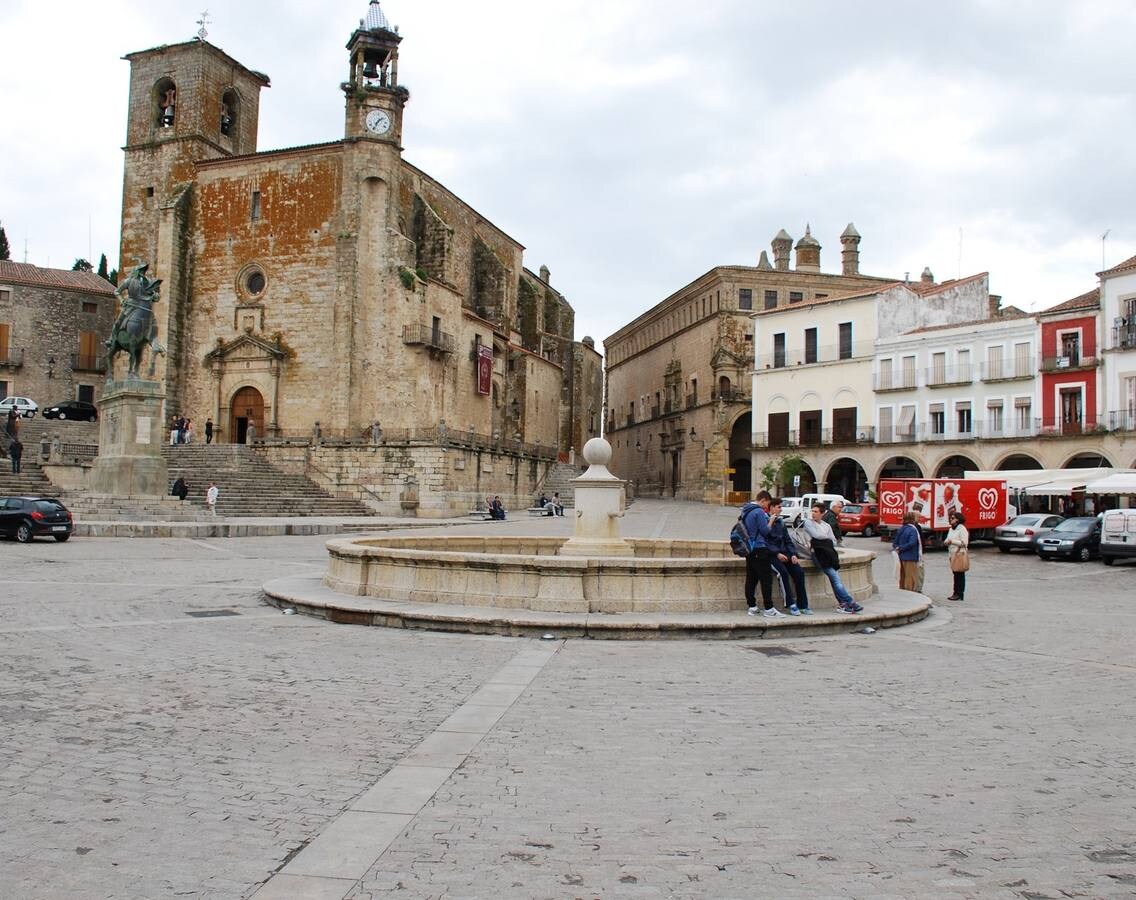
425 335
87 362
11 359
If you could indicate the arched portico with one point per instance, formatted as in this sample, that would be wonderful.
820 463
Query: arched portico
1087 460
846 477
740 441
900 467
956 466
1017 461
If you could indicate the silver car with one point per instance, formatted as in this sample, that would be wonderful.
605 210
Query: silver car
1022 532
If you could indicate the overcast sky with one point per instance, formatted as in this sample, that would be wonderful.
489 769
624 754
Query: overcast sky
631 145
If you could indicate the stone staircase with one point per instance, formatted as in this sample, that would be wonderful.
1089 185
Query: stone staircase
560 478
250 485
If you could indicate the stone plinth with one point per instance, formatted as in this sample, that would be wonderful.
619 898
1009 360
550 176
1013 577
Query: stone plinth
599 507
131 431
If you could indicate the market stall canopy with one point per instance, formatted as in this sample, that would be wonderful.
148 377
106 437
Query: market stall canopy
1117 483
1046 482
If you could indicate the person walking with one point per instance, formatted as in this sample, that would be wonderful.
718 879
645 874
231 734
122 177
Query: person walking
209 431
16 452
189 431
958 543
908 544
823 543
759 566
786 564
211 496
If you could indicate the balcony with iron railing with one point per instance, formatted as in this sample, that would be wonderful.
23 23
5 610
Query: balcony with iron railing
88 362
946 376
1006 370
427 336
1068 361
1124 336
11 359
894 381
730 395
806 356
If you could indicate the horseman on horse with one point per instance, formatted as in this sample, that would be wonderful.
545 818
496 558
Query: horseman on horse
136 327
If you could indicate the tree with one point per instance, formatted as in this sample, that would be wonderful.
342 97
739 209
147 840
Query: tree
102 272
81 265
780 473
113 277
5 250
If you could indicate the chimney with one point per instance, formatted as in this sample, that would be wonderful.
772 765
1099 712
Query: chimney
995 305
808 253
850 252
545 274
782 246
928 276
763 261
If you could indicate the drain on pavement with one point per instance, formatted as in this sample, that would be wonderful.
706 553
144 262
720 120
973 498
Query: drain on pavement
774 651
212 613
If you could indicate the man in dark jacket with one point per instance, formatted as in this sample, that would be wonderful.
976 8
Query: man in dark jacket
832 517
786 564
759 566
16 451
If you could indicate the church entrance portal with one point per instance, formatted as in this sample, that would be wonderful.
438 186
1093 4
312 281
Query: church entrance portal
247 406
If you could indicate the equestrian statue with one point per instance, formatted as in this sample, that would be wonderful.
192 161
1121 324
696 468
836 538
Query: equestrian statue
136 328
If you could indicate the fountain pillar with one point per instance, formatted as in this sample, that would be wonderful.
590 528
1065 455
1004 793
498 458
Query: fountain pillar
599 507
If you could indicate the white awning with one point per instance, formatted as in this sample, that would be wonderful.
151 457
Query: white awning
1068 481
1117 483
1048 481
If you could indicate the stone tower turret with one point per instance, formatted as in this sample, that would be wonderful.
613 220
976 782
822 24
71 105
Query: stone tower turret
782 247
374 97
850 250
808 253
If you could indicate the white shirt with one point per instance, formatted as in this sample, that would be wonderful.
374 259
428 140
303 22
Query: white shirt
211 495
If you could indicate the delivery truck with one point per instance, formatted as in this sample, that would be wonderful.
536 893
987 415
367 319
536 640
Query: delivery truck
984 503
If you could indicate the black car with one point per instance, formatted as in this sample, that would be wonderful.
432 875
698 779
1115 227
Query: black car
27 517
1077 538
80 410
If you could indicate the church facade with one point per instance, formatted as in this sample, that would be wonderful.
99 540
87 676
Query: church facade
336 290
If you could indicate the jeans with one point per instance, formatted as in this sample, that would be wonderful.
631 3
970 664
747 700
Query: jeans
759 571
838 588
959 585
792 578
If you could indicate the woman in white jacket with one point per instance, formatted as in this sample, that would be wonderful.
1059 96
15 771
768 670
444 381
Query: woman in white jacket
957 541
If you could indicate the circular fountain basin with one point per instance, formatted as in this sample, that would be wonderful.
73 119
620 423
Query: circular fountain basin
525 573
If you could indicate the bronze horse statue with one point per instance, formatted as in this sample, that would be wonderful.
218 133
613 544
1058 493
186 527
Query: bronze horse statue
136 328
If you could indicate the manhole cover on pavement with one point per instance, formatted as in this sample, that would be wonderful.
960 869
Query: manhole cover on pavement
774 651
212 613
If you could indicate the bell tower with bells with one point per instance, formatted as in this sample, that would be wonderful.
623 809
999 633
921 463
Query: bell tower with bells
375 99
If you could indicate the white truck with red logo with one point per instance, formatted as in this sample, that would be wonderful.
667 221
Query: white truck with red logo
984 503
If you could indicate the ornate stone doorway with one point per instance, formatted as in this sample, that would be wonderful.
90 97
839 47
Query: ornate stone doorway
246 406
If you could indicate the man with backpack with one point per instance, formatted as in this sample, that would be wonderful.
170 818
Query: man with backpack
759 565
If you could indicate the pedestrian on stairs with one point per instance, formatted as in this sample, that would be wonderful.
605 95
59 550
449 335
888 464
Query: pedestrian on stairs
16 451
211 498
209 431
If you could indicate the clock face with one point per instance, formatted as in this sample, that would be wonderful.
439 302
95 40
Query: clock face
378 122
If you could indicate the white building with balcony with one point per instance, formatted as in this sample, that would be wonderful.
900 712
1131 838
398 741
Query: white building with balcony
1118 307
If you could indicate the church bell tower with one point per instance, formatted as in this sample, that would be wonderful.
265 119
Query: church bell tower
375 99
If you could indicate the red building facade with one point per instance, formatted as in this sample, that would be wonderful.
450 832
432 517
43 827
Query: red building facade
1068 365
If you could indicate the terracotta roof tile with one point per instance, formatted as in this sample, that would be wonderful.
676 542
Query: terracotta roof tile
1010 312
1125 266
1087 300
26 273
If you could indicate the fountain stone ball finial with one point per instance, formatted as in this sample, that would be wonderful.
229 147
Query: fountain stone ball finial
597 454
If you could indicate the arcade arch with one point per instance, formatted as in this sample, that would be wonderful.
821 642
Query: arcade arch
1016 461
900 467
846 477
740 454
1087 461
956 467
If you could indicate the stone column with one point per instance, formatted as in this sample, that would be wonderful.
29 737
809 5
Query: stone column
131 432
599 507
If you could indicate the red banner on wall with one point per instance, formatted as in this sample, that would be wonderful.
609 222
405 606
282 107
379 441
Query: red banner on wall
484 368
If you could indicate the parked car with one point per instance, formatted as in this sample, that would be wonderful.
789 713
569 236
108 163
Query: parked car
1022 532
25 518
863 518
1118 537
791 508
25 406
1077 538
72 409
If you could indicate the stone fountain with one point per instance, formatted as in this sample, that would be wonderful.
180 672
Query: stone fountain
594 573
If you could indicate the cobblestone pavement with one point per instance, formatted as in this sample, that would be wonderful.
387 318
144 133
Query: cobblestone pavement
145 752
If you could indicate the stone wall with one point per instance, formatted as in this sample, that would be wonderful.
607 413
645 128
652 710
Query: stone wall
408 479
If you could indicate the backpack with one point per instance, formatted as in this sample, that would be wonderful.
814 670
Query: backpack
740 541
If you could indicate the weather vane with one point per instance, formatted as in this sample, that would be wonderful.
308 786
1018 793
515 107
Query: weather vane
203 21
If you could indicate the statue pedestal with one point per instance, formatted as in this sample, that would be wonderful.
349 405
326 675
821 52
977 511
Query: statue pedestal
599 506
131 431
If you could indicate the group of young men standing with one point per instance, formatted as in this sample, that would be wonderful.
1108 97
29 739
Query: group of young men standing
774 551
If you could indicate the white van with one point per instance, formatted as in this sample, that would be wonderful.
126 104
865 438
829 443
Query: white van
1118 535
809 500
793 508
790 508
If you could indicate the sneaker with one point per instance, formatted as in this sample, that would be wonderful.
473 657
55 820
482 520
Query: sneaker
752 611
806 611
773 613
841 608
793 611
855 608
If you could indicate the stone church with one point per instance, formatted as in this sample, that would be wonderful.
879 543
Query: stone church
336 283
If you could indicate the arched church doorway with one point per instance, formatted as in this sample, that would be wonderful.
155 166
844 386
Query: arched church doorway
740 454
247 406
